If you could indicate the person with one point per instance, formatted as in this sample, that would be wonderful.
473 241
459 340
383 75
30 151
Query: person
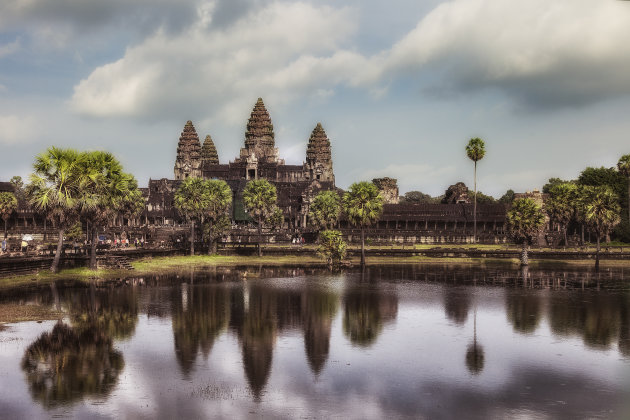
4 245
24 245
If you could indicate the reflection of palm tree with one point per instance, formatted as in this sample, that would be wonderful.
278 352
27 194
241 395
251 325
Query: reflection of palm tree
365 312
319 308
474 355
113 311
67 364
523 308
456 304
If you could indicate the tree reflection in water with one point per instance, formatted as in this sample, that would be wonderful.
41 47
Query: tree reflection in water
475 357
200 315
456 304
523 307
68 364
366 309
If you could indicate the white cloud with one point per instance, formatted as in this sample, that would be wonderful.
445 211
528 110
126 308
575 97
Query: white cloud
16 129
9 48
543 53
279 52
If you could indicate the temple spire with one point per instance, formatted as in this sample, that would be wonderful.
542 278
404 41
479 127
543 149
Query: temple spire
259 136
188 161
209 153
318 164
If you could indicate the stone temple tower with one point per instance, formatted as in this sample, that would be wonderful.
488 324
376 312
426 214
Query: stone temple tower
188 161
319 165
259 138
209 155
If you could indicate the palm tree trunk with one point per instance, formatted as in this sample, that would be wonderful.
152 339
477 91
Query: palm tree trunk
475 208
210 241
597 254
192 236
94 240
362 246
566 241
582 228
259 236
524 259
55 264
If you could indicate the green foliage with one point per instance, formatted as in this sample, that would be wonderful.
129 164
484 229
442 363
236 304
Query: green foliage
192 198
476 149
55 185
610 177
623 165
561 203
601 210
363 204
325 210
524 220
332 247
276 218
214 230
507 198
417 197
259 197
220 196
75 232
553 182
8 204
485 199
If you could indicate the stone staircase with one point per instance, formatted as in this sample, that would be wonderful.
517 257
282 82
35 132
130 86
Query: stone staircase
118 262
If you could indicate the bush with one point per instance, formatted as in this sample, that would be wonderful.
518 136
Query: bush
332 247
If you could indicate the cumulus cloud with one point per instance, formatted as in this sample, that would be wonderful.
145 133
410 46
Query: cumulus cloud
565 52
15 129
280 51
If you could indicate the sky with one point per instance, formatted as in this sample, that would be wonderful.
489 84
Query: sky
399 86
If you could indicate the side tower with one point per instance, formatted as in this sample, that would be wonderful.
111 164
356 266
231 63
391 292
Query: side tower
188 161
259 137
209 155
319 165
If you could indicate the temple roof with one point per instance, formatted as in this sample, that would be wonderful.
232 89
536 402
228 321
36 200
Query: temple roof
318 148
209 151
259 134
189 147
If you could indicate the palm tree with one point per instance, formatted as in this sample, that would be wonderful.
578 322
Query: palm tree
601 214
105 190
475 149
325 209
192 199
220 197
624 167
8 204
259 197
363 205
560 207
524 221
55 188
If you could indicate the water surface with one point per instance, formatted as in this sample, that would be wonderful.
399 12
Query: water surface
390 342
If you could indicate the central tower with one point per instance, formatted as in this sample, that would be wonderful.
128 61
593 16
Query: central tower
259 138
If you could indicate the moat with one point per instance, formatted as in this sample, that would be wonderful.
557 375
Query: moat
406 341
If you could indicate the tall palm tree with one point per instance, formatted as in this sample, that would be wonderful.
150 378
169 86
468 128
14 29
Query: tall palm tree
192 200
260 197
220 199
55 188
561 205
325 209
105 187
475 149
8 204
363 204
624 167
601 214
524 221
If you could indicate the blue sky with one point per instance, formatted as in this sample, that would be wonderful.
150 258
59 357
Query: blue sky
399 86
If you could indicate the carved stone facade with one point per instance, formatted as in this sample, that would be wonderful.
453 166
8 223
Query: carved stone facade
188 160
209 155
318 164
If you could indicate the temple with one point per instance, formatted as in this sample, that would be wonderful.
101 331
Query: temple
296 186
